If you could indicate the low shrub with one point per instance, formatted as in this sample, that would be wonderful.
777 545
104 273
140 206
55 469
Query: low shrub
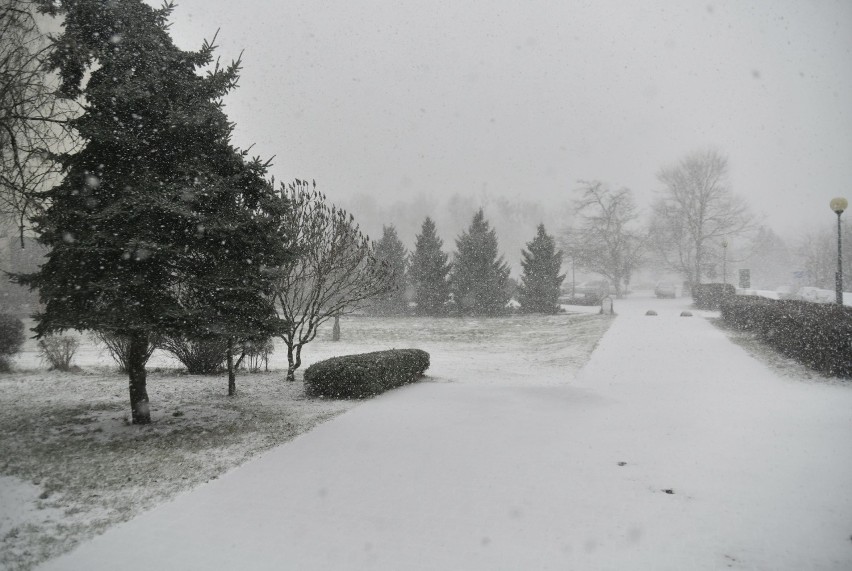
711 296
118 347
199 357
256 352
818 335
364 375
58 351
11 339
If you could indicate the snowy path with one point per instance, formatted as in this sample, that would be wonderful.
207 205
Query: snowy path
449 475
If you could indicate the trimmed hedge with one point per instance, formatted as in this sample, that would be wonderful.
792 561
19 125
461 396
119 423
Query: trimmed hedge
818 335
364 375
711 296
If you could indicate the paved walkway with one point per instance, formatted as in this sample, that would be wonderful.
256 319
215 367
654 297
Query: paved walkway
672 449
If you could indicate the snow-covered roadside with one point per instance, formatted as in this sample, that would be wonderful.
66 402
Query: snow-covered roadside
74 467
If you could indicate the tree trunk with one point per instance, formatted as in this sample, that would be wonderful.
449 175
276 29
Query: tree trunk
698 256
294 361
232 376
139 407
335 332
291 364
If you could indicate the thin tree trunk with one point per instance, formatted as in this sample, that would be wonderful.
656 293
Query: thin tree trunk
139 407
291 364
232 376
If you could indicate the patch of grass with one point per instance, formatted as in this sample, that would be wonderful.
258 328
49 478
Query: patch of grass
94 470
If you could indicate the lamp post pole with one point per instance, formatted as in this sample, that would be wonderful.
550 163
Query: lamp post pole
725 261
838 205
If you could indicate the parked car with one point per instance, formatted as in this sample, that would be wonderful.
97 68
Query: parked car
592 291
665 289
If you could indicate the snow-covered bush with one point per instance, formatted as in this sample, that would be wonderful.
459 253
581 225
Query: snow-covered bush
747 313
199 357
818 335
364 375
58 351
11 339
710 296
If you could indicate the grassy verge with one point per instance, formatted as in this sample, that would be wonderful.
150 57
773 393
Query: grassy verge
73 466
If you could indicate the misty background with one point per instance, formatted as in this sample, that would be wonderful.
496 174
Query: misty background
401 110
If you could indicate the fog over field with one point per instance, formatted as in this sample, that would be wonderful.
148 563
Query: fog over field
399 109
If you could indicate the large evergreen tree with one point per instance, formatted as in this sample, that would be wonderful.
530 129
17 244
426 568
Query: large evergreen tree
540 281
391 251
428 272
160 226
479 278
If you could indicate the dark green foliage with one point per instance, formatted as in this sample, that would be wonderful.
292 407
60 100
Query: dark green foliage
428 272
479 278
11 339
160 223
160 226
818 335
711 296
390 250
364 375
540 281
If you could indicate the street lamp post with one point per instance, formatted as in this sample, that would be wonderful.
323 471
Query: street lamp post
725 261
838 205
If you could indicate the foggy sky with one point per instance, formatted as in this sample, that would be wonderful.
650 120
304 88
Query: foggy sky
411 101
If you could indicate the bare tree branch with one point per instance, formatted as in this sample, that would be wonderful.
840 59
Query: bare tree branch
695 213
606 241
33 119
335 271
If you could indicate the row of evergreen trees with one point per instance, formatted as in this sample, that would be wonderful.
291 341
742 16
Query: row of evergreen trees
476 282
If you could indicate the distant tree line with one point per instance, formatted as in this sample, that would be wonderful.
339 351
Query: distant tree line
475 282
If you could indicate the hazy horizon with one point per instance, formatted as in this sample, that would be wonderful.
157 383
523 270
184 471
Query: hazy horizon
513 100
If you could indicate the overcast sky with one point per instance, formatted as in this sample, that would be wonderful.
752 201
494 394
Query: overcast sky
522 99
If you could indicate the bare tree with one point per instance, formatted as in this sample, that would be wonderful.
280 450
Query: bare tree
33 119
335 270
817 255
695 213
606 240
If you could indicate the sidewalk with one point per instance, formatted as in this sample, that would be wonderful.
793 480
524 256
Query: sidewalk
443 475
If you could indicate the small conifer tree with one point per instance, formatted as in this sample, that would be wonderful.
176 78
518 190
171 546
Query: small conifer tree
540 281
390 250
479 278
429 272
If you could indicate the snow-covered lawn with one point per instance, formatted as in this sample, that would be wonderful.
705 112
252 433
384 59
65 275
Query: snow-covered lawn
71 466
672 448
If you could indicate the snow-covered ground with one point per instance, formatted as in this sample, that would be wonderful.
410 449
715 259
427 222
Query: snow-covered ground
71 466
672 448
